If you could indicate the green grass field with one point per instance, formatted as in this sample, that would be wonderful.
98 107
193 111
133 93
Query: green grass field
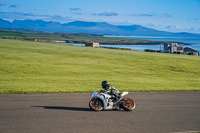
35 67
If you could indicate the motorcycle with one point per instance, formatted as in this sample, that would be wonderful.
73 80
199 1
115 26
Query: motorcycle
103 101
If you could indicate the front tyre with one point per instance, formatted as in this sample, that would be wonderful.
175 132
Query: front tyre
128 104
96 104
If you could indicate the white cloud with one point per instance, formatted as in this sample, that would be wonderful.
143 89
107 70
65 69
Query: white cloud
172 28
106 14
152 14
75 9
175 28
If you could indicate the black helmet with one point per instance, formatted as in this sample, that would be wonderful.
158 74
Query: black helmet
105 84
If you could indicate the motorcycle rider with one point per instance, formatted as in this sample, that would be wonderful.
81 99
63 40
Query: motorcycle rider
110 89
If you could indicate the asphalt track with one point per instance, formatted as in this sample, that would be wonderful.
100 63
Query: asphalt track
155 112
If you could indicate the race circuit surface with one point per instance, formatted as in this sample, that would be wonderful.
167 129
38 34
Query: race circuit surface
155 112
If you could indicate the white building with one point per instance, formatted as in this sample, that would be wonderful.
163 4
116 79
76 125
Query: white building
174 48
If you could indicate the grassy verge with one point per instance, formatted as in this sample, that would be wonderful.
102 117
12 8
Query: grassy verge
35 67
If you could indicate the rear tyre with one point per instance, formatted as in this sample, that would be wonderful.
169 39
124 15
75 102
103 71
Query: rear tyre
128 104
96 105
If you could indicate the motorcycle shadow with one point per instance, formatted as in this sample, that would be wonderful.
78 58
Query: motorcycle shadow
63 108
72 108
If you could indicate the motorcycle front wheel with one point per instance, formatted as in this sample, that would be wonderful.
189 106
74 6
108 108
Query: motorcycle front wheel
96 104
128 104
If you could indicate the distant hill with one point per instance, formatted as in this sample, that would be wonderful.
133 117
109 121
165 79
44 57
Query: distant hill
88 27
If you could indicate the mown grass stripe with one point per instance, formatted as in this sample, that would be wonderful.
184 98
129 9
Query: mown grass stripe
36 67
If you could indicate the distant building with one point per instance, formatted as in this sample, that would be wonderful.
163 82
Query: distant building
92 44
174 48
190 51
179 49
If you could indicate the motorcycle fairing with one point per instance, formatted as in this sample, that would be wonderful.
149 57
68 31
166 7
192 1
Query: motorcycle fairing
104 97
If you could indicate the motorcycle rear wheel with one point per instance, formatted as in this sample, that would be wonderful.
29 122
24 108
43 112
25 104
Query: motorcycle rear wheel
96 104
128 104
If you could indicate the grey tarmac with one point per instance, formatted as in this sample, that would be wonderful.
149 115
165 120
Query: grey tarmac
155 112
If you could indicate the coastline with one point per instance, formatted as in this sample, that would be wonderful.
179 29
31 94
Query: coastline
104 40
124 43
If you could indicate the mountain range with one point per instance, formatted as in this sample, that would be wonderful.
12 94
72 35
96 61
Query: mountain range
88 27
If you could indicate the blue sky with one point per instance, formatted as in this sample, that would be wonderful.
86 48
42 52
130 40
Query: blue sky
166 15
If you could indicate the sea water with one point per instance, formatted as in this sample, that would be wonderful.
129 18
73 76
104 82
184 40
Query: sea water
193 41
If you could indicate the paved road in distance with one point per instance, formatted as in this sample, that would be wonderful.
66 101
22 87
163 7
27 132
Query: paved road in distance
155 112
